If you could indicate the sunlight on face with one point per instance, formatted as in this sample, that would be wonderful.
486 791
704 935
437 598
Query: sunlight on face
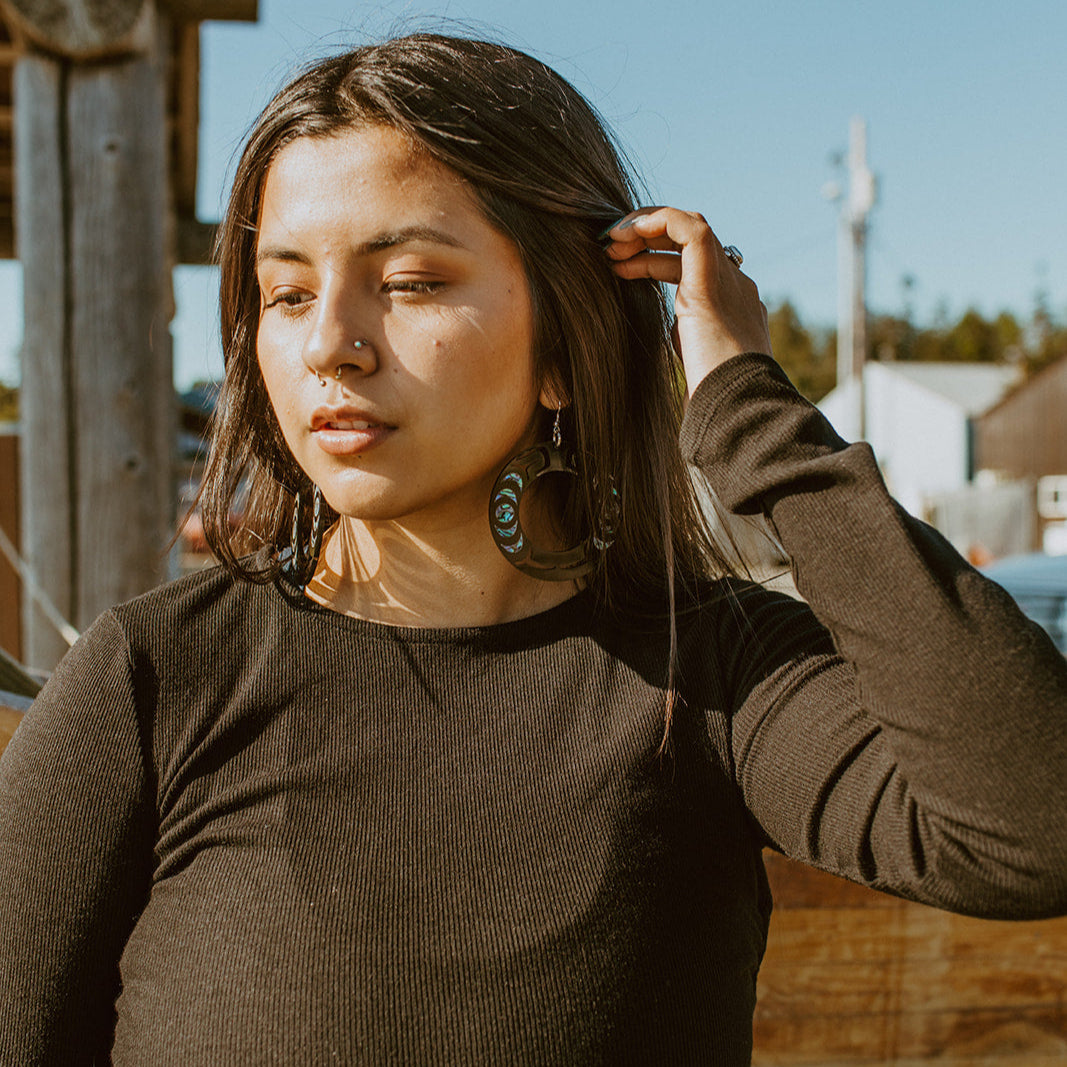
364 239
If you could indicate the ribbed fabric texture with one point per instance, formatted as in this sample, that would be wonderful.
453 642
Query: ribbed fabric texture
240 829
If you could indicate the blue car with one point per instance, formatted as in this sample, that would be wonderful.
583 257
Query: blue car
1039 585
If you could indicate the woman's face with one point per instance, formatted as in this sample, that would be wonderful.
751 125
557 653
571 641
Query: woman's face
363 239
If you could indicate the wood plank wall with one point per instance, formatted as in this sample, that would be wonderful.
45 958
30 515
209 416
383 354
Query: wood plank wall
9 721
1024 434
855 977
10 586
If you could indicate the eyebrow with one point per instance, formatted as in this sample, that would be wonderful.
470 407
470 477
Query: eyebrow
383 242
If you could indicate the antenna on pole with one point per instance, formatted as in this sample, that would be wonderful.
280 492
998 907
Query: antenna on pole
862 192
855 206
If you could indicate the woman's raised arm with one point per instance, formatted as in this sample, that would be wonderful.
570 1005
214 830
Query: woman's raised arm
925 751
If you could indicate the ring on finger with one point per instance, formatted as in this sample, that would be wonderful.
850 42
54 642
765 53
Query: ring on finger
733 254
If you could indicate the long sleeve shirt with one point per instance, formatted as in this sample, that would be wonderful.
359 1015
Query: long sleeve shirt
240 828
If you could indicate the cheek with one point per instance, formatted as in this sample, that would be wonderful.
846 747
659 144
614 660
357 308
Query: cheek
277 381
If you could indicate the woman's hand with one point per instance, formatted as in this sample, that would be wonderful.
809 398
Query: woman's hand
718 309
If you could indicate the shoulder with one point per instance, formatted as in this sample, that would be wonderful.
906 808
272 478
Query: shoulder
744 630
153 628
197 605
740 605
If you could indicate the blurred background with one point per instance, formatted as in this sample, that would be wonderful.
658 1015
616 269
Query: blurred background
893 174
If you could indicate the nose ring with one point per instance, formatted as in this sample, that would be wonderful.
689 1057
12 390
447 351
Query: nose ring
321 379
357 345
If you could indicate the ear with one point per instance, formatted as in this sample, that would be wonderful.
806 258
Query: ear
553 396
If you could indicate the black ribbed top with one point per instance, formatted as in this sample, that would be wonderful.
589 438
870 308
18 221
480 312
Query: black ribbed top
238 828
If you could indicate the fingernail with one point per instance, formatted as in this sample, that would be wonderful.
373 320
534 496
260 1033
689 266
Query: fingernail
617 224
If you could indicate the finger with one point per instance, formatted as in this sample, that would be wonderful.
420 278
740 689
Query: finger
681 227
659 266
625 249
622 225
686 231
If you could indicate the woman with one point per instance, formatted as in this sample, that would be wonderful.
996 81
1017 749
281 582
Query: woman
404 781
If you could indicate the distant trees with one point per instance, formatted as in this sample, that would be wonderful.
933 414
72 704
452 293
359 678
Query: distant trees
809 356
9 403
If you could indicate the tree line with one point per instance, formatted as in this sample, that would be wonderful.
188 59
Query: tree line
9 403
809 355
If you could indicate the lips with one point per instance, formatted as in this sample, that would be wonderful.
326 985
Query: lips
345 417
348 424
345 431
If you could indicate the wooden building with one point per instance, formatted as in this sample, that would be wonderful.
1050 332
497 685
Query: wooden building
1024 435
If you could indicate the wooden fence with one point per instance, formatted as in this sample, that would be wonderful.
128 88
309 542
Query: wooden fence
855 977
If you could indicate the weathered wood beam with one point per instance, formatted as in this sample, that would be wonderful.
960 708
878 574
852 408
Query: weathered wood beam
97 394
185 82
45 398
211 10
82 29
196 242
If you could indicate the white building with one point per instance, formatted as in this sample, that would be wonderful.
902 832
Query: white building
918 419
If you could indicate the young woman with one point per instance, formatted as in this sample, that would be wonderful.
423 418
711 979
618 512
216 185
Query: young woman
454 763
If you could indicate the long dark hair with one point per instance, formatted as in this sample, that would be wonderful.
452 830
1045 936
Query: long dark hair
549 177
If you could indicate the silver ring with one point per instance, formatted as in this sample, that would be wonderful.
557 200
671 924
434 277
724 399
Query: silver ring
733 254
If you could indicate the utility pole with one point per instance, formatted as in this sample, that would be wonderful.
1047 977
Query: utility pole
852 266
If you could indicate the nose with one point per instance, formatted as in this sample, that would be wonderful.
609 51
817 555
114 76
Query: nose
337 345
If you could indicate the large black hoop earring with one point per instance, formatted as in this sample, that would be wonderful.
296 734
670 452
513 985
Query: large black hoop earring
504 501
300 565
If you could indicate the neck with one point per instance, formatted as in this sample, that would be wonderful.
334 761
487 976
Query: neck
384 572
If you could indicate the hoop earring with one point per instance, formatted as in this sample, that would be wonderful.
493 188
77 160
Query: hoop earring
300 564
504 501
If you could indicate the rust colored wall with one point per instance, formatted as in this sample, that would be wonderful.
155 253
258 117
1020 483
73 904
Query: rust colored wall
1025 435
10 632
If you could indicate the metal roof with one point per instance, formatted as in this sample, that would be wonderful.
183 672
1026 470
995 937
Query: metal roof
974 387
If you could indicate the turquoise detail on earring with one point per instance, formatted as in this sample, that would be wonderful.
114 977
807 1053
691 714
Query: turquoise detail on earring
504 502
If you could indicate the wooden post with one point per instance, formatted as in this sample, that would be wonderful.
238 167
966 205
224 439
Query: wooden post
45 396
92 215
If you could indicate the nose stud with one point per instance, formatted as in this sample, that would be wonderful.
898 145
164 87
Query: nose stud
339 369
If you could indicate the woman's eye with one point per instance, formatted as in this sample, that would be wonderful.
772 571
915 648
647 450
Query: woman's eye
411 285
290 300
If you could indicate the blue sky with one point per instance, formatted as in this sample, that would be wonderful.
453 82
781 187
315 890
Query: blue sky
736 110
